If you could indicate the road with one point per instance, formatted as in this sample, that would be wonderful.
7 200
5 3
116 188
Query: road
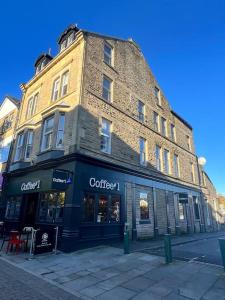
16 284
206 250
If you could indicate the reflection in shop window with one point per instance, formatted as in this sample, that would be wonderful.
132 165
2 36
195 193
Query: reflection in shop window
144 206
51 207
89 208
13 208
114 210
196 208
102 209
181 210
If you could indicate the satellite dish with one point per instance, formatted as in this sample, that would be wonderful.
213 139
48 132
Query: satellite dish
202 161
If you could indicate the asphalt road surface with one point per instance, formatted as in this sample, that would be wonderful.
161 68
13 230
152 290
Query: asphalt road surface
206 250
16 284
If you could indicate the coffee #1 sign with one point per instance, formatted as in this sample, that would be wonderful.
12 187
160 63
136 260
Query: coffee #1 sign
27 186
104 184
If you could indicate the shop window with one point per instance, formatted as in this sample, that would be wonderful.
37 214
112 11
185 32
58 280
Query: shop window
89 208
181 209
102 209
114 209
144 206
51 207
13 208
196 208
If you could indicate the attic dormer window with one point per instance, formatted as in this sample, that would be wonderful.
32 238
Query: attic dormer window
67 37
41 62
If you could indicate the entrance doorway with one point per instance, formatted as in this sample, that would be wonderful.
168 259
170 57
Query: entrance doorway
30 209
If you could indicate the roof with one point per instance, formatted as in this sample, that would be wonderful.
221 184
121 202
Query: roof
181 119
66 31
42 56
14 100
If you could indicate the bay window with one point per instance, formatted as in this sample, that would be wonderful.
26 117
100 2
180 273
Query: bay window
60 131
29 144
47 134
19 147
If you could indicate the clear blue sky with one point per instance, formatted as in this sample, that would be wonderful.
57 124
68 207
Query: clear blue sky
183 41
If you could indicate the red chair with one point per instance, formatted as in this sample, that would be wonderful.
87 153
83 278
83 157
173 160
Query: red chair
14 240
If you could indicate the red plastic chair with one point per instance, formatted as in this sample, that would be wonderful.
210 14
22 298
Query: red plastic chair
14 240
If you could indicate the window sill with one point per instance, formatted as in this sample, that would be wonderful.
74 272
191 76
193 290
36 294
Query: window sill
110 66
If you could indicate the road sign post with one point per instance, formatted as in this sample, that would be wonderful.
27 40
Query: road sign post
168 248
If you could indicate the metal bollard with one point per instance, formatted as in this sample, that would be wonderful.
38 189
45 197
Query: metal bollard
126 241
222 250
168 248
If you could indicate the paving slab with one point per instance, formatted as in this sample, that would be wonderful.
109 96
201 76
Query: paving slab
117 293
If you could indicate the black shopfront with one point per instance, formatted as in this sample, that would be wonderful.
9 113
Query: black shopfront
87 202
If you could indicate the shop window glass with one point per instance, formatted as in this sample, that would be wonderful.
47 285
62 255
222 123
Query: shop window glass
181 210
102 209
196 208
114 209
89 208
13 208
51 207
144 206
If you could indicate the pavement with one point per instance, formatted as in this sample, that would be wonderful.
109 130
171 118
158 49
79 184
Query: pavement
106 273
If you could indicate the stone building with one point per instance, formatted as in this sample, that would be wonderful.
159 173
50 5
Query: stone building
98 145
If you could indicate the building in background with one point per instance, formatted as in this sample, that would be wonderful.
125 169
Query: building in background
8 117
98 145
221 204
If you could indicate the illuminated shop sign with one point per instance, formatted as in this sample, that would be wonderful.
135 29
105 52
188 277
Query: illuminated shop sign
30 185
104 184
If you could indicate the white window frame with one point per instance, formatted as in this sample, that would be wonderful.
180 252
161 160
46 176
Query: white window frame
163 127
64 83
158 159
176 166
173 132
106 135
108 58
29 144
143 151
32 105
158 95
106 89
192 173
141 111
46 133
60 131
56 92
156 121
166 161
19 147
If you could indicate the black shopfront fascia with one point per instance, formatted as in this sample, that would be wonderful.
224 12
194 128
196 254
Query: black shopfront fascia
30 189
